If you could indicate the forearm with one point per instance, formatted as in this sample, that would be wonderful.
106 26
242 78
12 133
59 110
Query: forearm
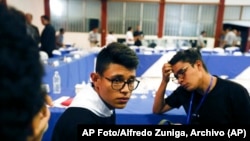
159 101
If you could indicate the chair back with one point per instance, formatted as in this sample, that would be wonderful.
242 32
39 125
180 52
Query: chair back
56 52
43 55
219 51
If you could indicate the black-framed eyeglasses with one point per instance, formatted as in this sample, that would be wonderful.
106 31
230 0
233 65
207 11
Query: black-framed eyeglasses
118 84
179 75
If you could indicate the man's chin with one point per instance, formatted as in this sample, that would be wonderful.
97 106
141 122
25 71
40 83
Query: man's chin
120 106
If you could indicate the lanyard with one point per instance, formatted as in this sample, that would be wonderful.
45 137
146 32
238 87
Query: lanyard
201 102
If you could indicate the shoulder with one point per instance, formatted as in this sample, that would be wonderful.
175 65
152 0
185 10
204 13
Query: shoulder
77 114
179 93
179 97
231 86
227 82
51 27
73 110
34 26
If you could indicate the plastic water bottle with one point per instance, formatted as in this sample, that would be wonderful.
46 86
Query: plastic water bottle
56 83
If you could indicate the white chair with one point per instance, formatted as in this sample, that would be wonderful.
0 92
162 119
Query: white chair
206 50
247 53
135 48
159 49
43 56
142 49
218 50
237 53
171 49
231 50
56 52
184 47
95 49
148 51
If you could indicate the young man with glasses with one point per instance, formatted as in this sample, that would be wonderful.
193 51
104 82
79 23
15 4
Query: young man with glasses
206 98
113 81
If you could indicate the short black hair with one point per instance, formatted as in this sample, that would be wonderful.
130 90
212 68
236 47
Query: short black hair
117 53
61 30
129 28
21 96
189 55
202 32
45 17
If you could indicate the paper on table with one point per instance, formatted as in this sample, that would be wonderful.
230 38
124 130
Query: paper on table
57 102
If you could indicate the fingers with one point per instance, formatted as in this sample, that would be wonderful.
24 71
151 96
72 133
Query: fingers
166 69
40 124
48 100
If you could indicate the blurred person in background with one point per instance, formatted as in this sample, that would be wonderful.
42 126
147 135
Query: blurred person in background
130 37
222 37
93 37
239 40
201 42
48 36
138 36
23 109
206 98
230 39
60 39
110 38
32 29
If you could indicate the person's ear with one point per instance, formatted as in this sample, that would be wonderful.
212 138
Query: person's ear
94 77
199 64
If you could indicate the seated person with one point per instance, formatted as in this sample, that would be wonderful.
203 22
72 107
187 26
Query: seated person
60 38
206 98
93 37
113 82
110 38
138 36
130 37
201 42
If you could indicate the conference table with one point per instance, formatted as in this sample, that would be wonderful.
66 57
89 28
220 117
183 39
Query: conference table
139 107
73 72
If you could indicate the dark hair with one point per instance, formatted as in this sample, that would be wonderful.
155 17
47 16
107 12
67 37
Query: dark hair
61 30
45 17
190 55
21 97
202 32
116 53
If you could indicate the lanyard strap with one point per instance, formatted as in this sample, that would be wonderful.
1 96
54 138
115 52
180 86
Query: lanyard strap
189 110
201 102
